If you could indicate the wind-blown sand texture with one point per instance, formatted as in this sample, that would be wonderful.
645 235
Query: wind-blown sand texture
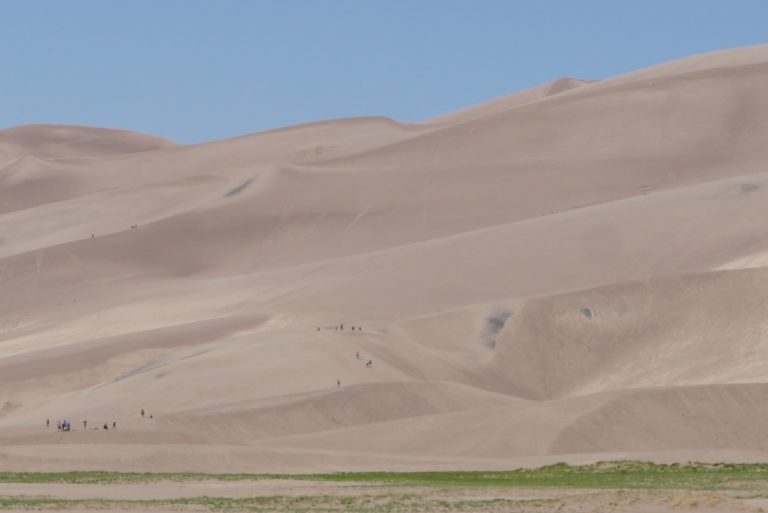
575 273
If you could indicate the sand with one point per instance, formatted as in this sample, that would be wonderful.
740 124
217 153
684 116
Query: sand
575 273
288 495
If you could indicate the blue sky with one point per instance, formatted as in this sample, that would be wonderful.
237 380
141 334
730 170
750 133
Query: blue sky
194 70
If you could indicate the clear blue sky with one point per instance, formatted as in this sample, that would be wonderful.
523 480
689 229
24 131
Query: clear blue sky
195 70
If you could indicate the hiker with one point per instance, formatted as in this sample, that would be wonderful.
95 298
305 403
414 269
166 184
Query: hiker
369 363
85 424
47 422
142 412
357 355
341 326
338 383
114 424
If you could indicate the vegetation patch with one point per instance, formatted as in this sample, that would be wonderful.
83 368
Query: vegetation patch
308 503
602 475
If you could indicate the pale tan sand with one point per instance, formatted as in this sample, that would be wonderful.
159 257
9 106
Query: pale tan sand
574 273
290 495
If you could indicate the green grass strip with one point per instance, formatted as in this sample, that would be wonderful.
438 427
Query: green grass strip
603 475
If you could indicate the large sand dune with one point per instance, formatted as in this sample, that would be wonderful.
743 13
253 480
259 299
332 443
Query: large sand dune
576 272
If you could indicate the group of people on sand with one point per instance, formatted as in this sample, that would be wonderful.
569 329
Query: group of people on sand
340 327
368 363
61 425
65 425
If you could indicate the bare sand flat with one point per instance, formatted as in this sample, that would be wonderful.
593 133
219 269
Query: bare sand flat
574 273
276 495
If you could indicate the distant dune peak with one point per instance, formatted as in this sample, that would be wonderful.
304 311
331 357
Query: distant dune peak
566 84
512 101
65 141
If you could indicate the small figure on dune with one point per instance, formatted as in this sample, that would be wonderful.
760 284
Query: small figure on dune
47 422
106 427
369 363
85 424
338 383
142 412
357 355
114 424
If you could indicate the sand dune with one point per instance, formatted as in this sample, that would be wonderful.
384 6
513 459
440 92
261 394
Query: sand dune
574 272
514 101
695 418
59 141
